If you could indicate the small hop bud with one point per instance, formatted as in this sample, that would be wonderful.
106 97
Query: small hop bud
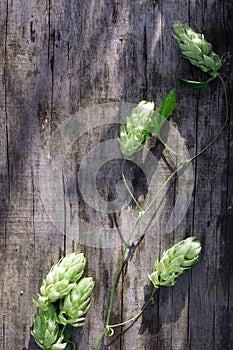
175 261
61 279
76 303
197 49
46 330
133 134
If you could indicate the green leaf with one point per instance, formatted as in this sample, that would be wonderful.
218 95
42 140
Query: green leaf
156 124
147 134
168 105
196 85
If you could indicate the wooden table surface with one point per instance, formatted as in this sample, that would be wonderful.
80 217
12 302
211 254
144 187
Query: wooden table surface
60 58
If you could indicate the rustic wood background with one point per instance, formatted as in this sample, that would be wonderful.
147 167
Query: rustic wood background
60 56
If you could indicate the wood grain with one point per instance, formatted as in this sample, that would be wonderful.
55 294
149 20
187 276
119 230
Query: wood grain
59 57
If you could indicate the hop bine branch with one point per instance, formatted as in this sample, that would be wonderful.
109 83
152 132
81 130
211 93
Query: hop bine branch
140 126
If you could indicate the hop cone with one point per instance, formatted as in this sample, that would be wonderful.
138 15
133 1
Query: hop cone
197 49
77 303
46 330
175 261
61 279
133 134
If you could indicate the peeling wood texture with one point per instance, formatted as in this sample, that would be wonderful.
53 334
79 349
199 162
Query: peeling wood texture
59 57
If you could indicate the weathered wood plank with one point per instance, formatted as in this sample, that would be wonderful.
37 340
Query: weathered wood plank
58 57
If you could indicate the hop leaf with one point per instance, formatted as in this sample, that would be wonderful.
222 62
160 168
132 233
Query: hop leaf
61 279
46 330
168 105
76 303
197 49
175 261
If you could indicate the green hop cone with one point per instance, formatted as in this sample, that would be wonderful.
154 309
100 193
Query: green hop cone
76 303
143 123
133 134
61 279
175 261
197 49
46 330
141 115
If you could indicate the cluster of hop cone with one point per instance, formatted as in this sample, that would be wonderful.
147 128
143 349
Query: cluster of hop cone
63 300
65 295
